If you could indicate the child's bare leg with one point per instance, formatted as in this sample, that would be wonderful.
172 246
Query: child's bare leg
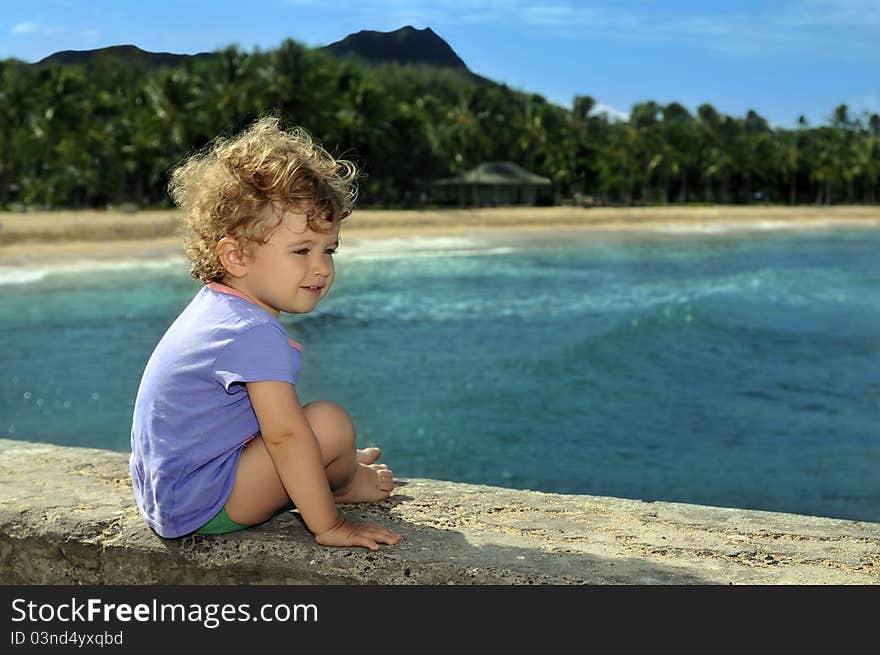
352 474
257 492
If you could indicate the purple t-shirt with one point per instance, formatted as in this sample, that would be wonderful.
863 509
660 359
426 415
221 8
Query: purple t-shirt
193 416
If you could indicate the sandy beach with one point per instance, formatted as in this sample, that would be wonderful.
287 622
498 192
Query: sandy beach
53 238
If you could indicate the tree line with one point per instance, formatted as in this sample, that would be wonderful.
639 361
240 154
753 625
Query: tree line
107 133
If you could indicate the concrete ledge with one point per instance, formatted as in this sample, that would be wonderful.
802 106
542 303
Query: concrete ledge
67 516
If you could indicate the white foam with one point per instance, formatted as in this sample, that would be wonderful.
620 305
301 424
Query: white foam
13 275
414 247
360 250
415 243
357 249
423 254
725 228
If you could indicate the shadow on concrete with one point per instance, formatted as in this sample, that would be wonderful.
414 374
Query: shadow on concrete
283 551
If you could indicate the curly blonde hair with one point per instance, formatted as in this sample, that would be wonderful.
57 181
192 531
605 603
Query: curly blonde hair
223 189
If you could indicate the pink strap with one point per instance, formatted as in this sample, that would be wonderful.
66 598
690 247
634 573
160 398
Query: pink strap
222 288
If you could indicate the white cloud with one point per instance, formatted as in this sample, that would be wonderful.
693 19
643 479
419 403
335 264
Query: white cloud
851 13
802 27
612 113
29 27
24 28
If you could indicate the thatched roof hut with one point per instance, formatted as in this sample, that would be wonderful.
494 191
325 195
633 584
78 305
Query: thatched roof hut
492 183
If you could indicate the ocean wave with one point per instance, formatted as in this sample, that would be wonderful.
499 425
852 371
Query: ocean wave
422 254
361 250
19 275
597 294
757 226
414 242
419 247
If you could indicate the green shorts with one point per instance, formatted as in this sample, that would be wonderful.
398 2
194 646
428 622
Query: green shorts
221 524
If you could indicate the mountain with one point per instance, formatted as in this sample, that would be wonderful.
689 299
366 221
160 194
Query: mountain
404 46
128 54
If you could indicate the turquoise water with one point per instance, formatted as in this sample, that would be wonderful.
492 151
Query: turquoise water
735 370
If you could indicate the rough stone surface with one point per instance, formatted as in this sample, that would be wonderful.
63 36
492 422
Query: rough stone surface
67 516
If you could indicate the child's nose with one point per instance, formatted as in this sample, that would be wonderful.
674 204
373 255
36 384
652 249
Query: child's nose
324 265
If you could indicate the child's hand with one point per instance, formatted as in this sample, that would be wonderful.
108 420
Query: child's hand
351 533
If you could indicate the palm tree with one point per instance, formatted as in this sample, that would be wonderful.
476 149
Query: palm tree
645 120
754 140
791 157
16 93
677 129
843 127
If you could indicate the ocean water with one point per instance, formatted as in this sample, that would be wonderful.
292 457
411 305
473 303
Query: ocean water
732 369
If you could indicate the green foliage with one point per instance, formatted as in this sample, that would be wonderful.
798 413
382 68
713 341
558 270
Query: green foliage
105 133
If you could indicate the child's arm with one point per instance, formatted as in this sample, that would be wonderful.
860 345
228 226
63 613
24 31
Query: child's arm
297 456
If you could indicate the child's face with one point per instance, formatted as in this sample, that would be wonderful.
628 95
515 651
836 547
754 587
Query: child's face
294 269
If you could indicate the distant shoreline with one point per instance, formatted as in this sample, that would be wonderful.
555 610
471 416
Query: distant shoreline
48 238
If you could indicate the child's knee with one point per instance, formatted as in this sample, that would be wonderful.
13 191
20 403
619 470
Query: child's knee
330 421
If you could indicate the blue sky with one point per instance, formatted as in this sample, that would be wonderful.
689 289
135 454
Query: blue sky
782 58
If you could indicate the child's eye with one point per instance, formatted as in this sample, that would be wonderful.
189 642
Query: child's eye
330 251
301 251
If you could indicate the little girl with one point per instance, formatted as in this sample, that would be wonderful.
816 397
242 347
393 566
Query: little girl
219 440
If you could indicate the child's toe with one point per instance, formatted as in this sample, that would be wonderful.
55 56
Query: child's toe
368 455
386 480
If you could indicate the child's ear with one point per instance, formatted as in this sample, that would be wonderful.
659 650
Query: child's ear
231 256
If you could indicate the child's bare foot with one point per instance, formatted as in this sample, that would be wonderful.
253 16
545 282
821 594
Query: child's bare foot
368 455
371 483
